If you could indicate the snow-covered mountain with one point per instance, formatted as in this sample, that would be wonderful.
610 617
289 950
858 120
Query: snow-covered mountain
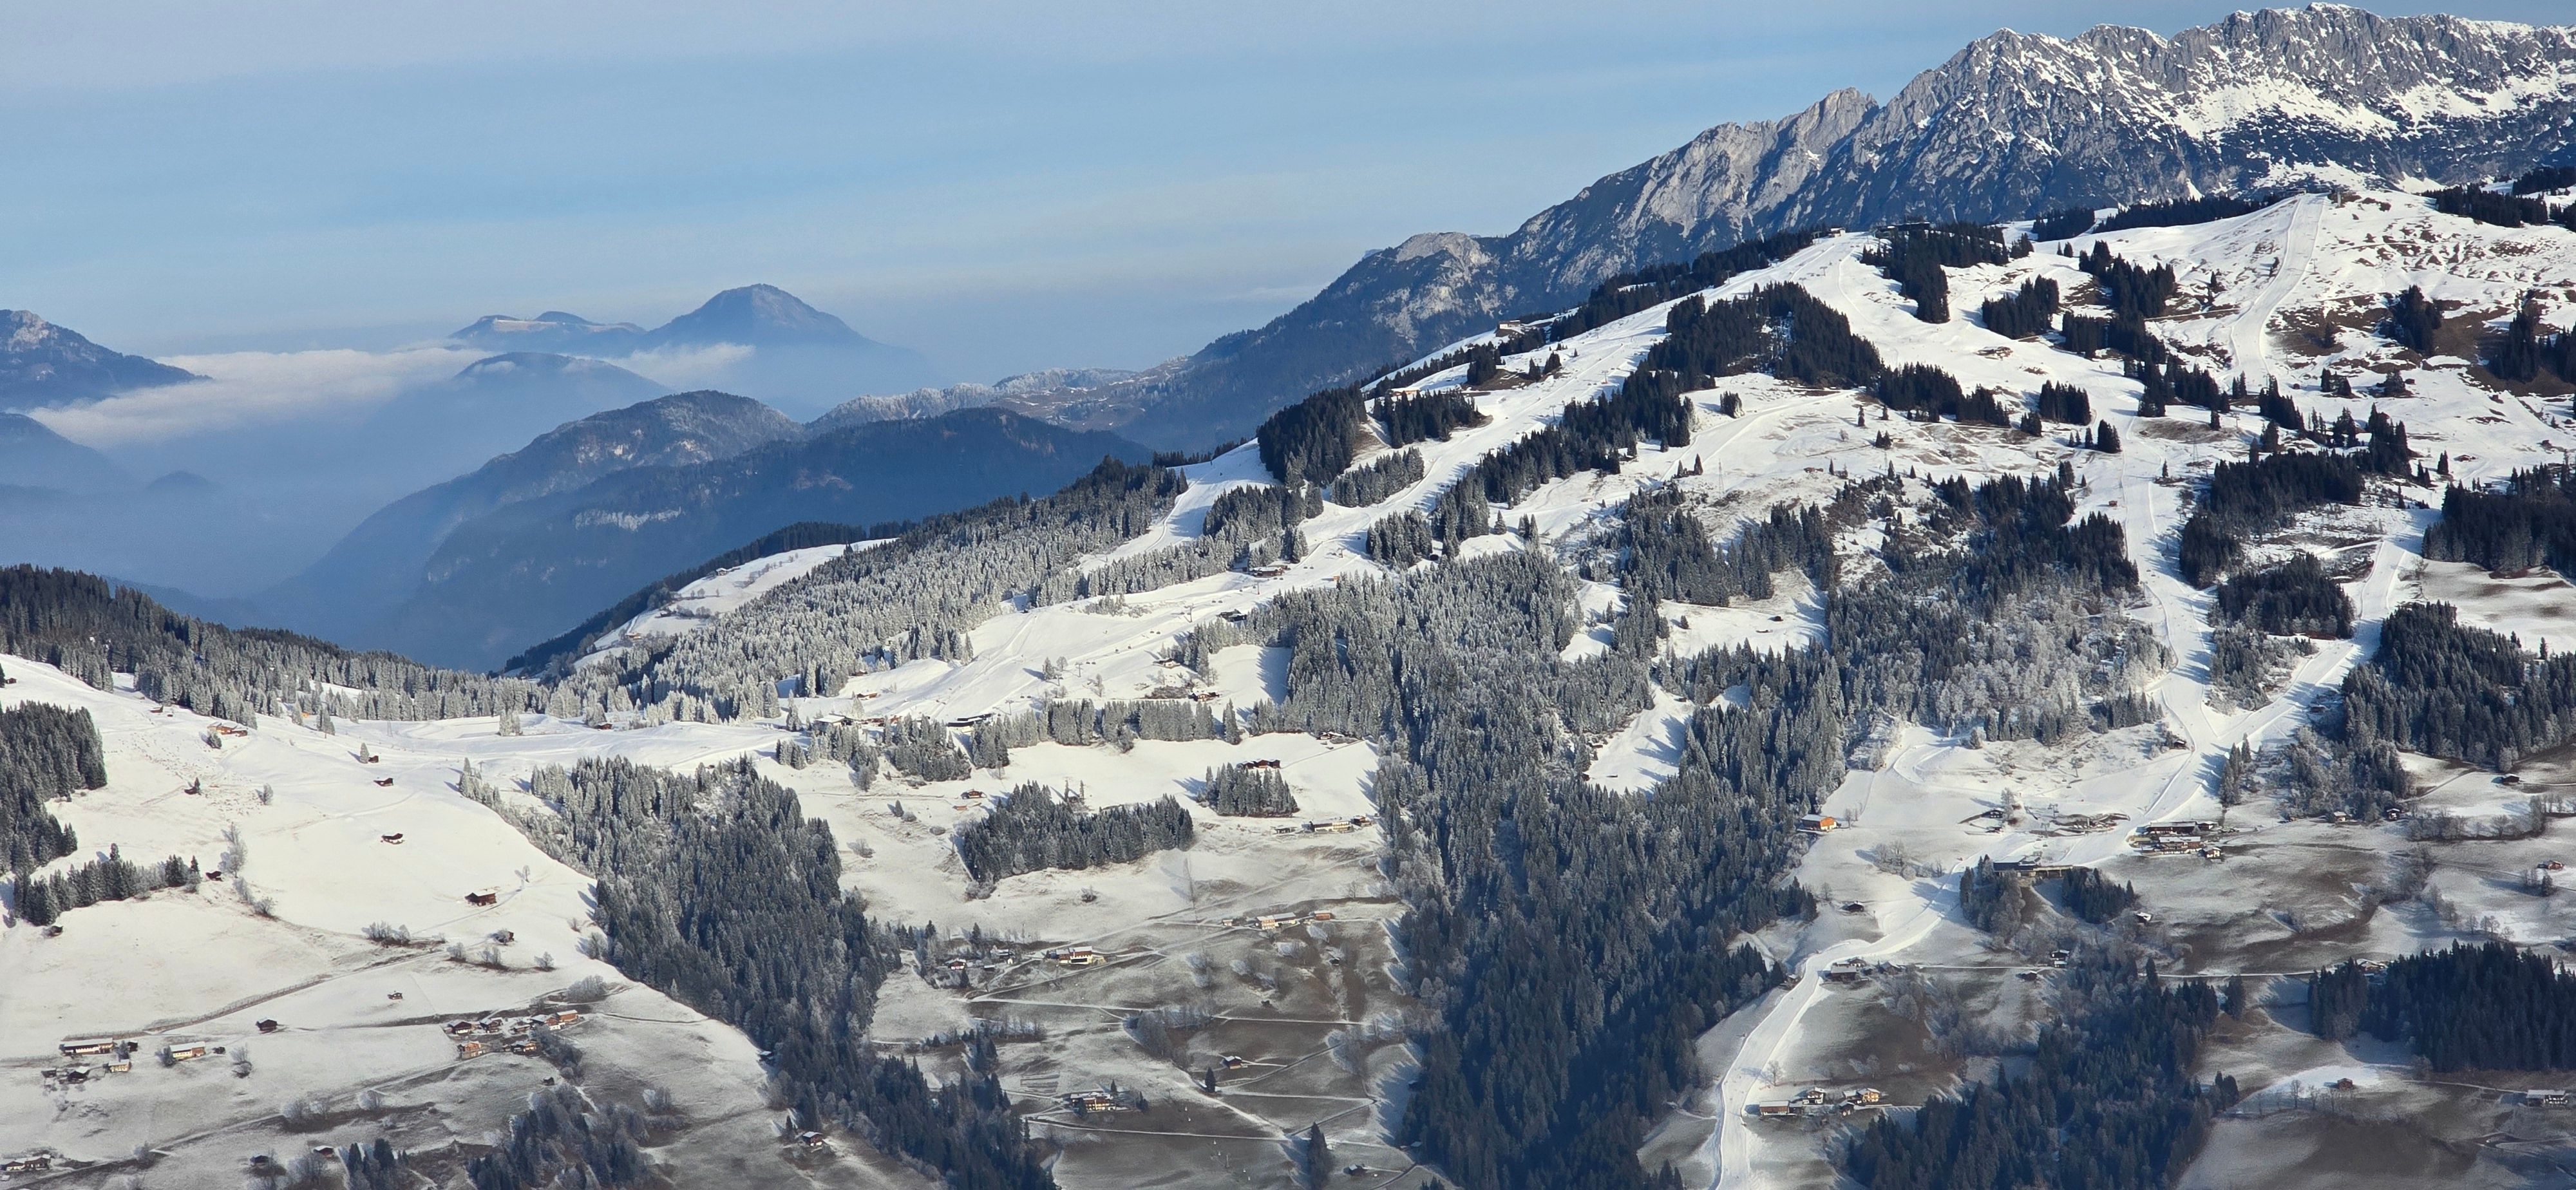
900 690
43 365
1054 388
2012 125
553 331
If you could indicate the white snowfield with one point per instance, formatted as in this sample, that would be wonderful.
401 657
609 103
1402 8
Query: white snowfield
2273 295
351 1016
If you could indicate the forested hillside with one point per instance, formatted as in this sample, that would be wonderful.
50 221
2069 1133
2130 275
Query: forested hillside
1875 704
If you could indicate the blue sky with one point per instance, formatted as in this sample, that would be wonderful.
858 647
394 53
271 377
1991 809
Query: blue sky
1001 185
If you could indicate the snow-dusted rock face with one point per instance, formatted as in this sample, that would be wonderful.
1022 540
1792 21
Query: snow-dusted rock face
2018 123
43 365
2012 125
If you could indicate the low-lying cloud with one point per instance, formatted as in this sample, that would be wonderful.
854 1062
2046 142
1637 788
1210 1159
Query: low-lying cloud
247 388
681 369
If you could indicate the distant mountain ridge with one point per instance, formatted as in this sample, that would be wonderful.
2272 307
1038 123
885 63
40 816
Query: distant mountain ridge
2012 125
752 316
43 365
799 358
1053 386
33 456
380 563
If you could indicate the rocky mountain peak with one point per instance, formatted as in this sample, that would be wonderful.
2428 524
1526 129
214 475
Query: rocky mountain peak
2012 125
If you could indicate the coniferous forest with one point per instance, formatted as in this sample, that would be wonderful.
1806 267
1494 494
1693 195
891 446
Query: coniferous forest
46 752
715 889
2107 1101
1033 828
1238 790
2442 688
2491 1006
1913 256
2530 521
2030 310
92 629
1408 420
2294 598
2181 212
1378 479
2244 499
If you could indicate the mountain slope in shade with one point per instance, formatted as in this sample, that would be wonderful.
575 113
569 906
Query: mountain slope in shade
33 456
2012 125
43 365
379 564
528 570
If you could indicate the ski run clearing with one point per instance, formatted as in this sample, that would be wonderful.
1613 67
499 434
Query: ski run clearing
2277 294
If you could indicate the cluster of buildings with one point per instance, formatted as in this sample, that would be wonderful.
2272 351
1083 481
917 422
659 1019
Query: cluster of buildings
1816 1101
116 1057
72 1076
1329 826
2177 838
1107 1099
517 1035
1277 921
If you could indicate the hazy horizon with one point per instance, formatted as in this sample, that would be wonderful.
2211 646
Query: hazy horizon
1033 187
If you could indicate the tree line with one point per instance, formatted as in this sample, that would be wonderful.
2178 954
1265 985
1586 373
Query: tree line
2528 521
2442 688
42 900
915 597
46 752
2491 1006
1032 829
93 630
1239 791
1914 255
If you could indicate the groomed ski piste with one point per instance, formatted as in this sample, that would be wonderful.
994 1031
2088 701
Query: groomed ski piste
2276 294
